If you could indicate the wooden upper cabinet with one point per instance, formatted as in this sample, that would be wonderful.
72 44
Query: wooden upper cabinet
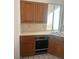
26 12
33 12
40 12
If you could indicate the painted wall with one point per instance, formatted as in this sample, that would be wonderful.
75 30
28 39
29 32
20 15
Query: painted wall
16 28
33 27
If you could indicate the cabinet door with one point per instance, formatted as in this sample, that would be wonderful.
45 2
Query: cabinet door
27 45
56 46
26 12
40 12
59 45
51 45
33 12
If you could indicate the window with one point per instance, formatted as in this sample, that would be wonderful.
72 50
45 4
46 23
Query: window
56 18
50 16
53 18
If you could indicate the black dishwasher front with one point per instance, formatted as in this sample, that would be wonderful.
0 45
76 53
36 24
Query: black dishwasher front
41 44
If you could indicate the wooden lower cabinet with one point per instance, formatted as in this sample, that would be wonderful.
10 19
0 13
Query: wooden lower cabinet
51 45
56 46
27 45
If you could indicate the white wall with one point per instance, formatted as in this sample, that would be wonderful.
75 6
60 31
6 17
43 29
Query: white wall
16 28
33 27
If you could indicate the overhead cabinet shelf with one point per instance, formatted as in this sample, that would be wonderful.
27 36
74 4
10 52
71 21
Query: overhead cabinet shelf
33 12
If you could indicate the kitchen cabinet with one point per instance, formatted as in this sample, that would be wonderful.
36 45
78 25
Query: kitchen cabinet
56 46
26 12
33 12
27 45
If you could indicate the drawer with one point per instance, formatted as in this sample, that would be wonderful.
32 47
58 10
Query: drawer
27 49
27 39
27 46
27 54
27 42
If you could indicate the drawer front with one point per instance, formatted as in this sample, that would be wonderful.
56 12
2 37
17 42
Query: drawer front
27 53
27 47
26 42
27 39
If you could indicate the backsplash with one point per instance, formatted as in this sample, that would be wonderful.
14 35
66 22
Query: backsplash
33 27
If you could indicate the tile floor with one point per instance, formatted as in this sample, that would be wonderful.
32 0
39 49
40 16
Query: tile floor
42 56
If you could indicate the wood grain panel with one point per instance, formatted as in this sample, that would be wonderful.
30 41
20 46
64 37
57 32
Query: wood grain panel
26 12
27 45
40 12
33 12
56 46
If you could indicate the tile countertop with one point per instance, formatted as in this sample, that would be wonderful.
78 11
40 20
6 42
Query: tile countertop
43 33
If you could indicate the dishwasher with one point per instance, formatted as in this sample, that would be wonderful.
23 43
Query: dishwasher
41 44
